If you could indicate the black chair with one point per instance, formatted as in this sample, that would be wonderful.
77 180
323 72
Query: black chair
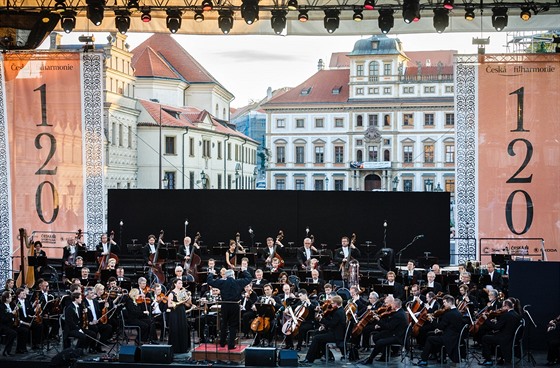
462 345
516 343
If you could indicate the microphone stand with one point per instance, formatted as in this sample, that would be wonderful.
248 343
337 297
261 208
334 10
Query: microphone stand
400 252
528 354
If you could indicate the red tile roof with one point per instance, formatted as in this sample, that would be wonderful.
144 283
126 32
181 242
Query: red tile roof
149 64
445 56
339 60
319 89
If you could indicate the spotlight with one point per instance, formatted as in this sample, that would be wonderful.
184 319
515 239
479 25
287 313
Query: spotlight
441 19
411 11
331 20
448 4
225 20
207 5
303 17
250 11
469 12
146 16
95 9
198 16
68 21
278 21
499 17
60 6
133 4
525 13
173 20
386 20
292 5
122 20
369 5
358 15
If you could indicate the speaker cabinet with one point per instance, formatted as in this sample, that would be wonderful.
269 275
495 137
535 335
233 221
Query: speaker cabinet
260 357
287 358
156 354
129 354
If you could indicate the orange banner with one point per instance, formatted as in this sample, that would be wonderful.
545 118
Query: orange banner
518 156
43 94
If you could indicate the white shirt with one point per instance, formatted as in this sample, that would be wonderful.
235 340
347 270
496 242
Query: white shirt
105 247
188 250
346 251
152 248
308 252
72 249
8 307
92 309
22 307
271 250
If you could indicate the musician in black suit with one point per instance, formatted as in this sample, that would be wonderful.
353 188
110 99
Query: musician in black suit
504 326
38 253
248 299
245 267
411 275
271 250
315 279
389 330
335 327
259 281
398 290
75 326
267 298
431 305
305 253
307 324
355 298
120 276
70 252
95 314
50 321
7 322
447 332
373 304
187 250
432 284
27 322
495 278
346 252
150 248
107 245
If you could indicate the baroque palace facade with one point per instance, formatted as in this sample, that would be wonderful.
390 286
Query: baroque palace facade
377 119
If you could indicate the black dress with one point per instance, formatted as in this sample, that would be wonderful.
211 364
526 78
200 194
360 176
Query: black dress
179 336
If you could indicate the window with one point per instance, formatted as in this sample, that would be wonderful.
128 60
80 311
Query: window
408 119
319 154
450 185
360 91
449 153
169 145
449 89
370 90
450 119
428 185
229 151
359 120
407 185
280 155
281 184
429 153
387 69
219 181
191 146
407 154
359 155
386 155
386 120
170 176
339 123
429 89
387 141
338 154
373 120
319 184
386 90
300 154
375 90
305 91
338 184
129 137
114 134
300 123
219 150
429 119
229 181
191 179
408 90
360 70
300 184
319 123
359 142
336 90
206 148
280 123
373 153
373 71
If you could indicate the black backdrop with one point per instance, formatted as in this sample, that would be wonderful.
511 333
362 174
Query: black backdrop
219 214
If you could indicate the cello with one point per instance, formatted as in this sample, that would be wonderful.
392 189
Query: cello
26 275
291 327
156 262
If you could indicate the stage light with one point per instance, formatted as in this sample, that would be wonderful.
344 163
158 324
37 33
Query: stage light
441 19
369 5
146 17
386 20
207 5
68 21
331 20
60 6
122 20
133 4
250 11
173 20
358 15
225 20
95 10
449 4
499 18
292 5
469 12
278 21
199 16
303 17
411 11
525 13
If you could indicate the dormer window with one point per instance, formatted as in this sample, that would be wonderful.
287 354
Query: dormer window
305 91
374 45
175 114
336 90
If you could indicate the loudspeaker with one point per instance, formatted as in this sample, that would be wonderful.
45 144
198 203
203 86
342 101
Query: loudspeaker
156 354
129 354
260 357
287 358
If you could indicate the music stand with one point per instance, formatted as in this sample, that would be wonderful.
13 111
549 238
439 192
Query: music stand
88 256
106 274
384 289
37 261
311 288
453 289
125 285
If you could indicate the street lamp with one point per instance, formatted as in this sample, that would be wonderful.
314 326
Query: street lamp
203 179
255 174
395 183
237 168
165 182
438 188
327 183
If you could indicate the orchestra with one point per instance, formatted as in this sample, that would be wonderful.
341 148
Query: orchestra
299 298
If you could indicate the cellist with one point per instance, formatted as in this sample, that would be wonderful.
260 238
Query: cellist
307 324
374 303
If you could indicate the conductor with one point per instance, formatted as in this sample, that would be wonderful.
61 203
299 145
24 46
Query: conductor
230 289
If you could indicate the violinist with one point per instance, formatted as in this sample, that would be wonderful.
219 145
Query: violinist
390 329
334 322
553 342
9 286
259 281
85 279
357 300
120 276
107 245
7 317
137 314
504 328
432 284
447 333
95 311
159 305
46 301
75 326
308 322
27 323
143 288
248 299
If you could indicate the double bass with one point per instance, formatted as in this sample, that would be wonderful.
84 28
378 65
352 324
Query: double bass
194 260
276 254
156 266
104 259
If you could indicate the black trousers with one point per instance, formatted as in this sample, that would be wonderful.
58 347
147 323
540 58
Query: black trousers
553 342
318 343
381 343
105 331
10 337
304 328
229 323
83 340
246 318
489 342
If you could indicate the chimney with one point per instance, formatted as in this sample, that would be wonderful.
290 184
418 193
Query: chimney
321 65
55 40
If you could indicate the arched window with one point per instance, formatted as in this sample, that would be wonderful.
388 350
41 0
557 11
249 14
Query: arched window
386 155
359 156
359 120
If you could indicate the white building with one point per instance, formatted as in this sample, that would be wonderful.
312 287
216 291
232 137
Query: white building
379 119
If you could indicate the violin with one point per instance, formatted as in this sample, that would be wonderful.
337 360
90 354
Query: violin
161 298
